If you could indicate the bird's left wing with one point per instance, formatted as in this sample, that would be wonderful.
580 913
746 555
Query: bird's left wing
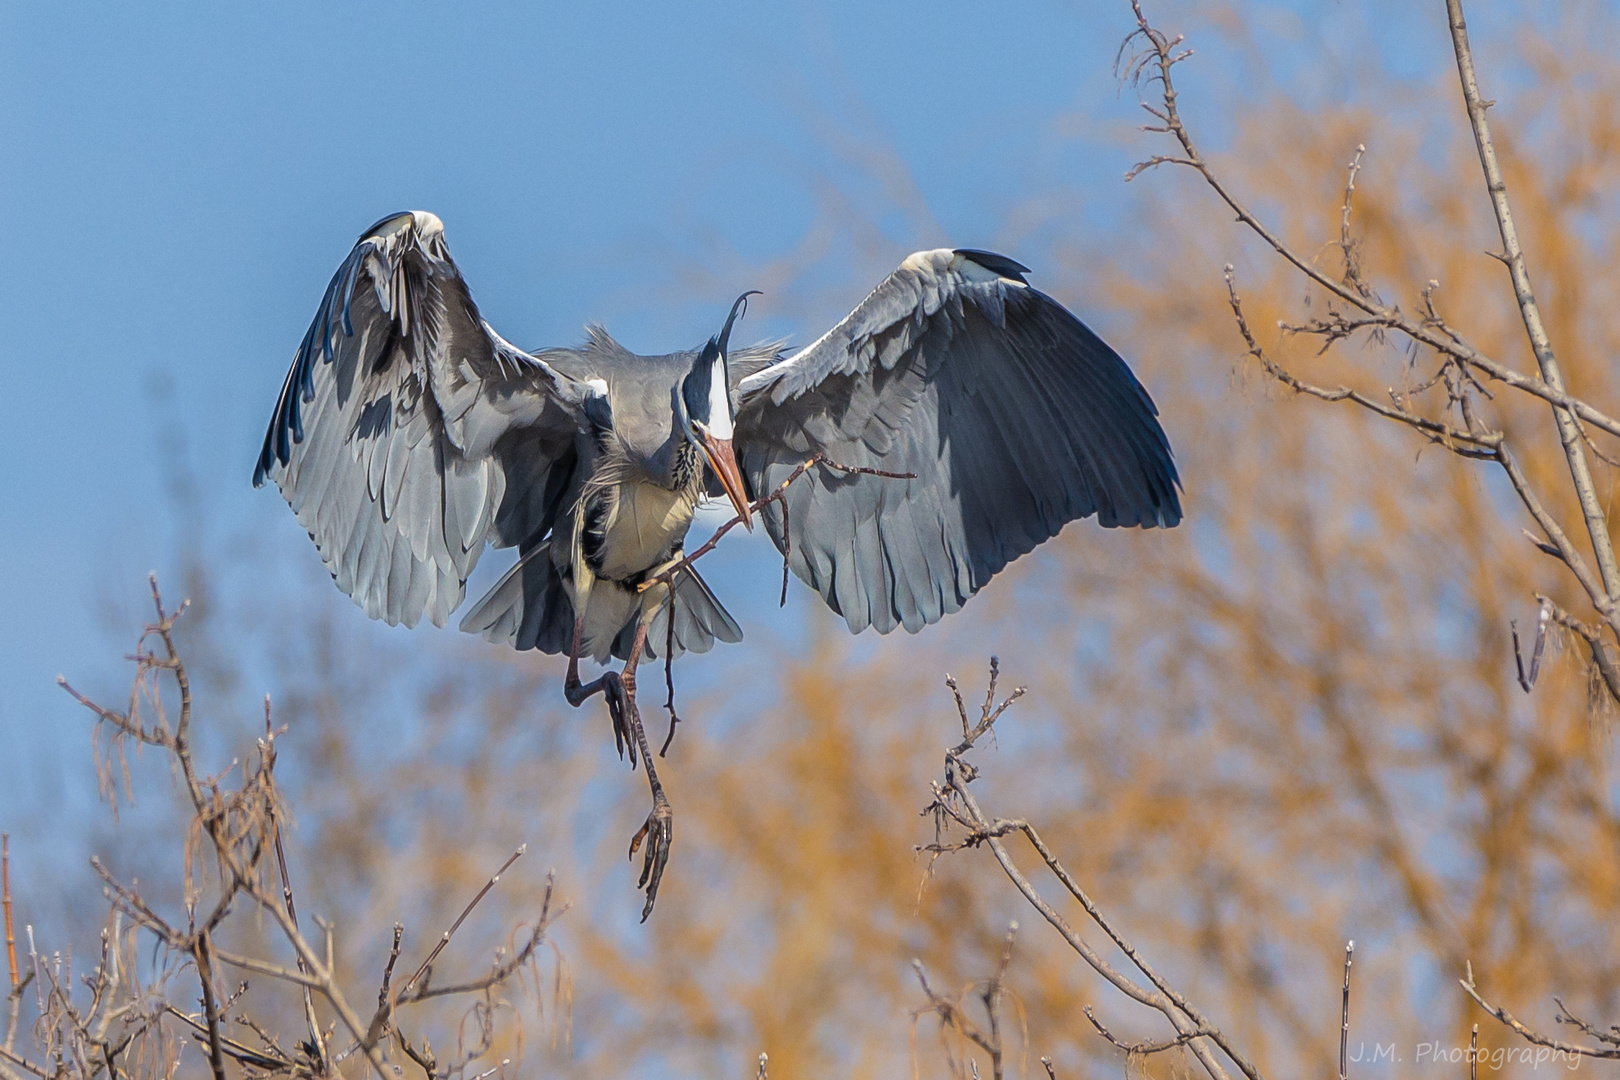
409 432
1012 416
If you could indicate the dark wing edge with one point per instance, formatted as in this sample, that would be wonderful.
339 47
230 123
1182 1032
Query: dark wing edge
1014 417
400 422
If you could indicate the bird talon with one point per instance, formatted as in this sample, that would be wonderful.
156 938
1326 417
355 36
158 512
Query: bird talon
660 828
625 695
618 703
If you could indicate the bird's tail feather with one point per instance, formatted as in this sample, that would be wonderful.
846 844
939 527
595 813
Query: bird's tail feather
700 621
528 608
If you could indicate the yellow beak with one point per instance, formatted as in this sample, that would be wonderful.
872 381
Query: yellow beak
724 464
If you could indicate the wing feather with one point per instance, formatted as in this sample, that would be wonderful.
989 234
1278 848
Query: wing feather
406 420
1014 418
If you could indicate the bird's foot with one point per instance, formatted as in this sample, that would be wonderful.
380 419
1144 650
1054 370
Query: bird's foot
620 700
619 692
659 832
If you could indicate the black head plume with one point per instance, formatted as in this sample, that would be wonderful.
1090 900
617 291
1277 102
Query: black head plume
739 308
696 387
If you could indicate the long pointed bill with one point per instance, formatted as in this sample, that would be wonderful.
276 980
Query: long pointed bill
724 464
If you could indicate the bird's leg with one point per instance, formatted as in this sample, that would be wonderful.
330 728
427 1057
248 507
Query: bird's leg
659 828
607 685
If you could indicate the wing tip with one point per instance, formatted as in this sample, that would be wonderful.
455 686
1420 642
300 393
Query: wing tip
425 222
996 264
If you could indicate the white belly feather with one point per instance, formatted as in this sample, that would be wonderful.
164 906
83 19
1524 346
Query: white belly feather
643 522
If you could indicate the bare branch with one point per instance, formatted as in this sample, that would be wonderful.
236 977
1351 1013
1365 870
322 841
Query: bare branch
407 993
1580 472
5 885
1145 1047
954 800
1458 440
1344 1010
1529 1035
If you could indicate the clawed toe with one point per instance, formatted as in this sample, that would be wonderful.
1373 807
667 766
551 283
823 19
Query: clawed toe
618 703
659 831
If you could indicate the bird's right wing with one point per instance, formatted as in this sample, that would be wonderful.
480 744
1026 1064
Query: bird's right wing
409 432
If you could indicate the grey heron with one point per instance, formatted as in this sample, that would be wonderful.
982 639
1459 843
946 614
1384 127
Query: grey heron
954 420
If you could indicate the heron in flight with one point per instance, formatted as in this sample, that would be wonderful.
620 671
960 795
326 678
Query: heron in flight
954 420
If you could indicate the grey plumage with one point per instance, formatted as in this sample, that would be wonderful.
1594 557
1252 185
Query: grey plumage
1014 418
409 435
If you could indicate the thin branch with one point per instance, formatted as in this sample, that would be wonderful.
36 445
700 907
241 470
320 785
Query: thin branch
258 1059
1527 679
205 976
1611 1036
1344 1015
444 939
1146 1046
265 967
1528 1034
1580 472
1183 1016
1458 440
5 884
1347 244
23 1063
268 751
1555 533
1605 663
1155 65
667 575
385 1006
669 679
1436 335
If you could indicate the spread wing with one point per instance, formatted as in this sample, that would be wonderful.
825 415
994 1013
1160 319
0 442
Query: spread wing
1013 417
409 432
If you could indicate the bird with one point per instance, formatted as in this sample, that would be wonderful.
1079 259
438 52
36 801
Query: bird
954 420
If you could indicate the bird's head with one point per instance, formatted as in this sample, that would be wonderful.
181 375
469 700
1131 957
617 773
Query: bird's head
707 416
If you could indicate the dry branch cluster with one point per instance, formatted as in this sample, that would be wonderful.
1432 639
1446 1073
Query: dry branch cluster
124 1019
954 807
1459 419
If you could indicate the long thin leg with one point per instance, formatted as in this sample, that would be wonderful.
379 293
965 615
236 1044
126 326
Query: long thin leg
659 828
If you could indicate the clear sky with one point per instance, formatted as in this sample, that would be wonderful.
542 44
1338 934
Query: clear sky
180 181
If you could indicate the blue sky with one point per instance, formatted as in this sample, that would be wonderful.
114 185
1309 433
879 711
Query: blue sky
182 179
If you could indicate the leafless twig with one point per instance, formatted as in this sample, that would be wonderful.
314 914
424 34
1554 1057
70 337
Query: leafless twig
1611 1052
238 827
1354 307
1344 1015
954 804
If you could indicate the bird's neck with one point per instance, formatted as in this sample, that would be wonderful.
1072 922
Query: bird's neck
686 471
